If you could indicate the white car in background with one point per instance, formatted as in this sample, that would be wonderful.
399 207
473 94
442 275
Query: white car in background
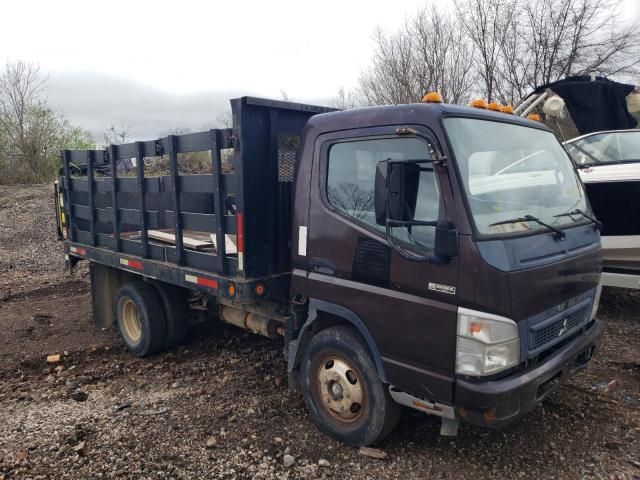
609 165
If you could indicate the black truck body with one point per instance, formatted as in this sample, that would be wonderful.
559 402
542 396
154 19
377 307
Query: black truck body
214 203
371 318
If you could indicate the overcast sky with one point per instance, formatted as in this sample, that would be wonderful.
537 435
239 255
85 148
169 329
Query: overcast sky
156 65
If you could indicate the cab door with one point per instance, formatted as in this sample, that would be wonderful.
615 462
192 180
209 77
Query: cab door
408 307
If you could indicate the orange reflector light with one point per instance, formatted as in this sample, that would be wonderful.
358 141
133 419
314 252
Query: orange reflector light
231 289
260 289
534 116
478 103
432 97
507 109
475 328
494 106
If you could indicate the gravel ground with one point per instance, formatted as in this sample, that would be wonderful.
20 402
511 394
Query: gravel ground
218 407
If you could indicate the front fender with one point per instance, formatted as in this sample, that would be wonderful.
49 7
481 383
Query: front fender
295 347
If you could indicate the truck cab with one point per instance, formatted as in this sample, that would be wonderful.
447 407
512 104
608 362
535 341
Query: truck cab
448 238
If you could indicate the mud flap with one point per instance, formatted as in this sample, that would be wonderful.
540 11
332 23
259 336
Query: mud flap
105 283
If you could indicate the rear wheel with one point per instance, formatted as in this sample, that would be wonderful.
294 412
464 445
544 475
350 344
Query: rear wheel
140 318
342 391
176 313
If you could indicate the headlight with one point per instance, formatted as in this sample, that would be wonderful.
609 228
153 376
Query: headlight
596 301
487 343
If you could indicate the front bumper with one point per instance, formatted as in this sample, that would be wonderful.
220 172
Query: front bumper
495 404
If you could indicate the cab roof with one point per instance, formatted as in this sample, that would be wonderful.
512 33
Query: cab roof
407 114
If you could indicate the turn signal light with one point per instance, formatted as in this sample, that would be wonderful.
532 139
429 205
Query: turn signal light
478 103
260 289
507 109
432 97
494 106
475 328
231 289
534 116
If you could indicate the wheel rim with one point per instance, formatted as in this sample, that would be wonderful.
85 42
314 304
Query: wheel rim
131 321
340 389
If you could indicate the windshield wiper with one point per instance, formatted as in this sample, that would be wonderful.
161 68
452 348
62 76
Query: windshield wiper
530 218
577 211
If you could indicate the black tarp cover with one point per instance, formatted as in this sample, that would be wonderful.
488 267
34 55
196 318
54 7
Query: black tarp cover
594 105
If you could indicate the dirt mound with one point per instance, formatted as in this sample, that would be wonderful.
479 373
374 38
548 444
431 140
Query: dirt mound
29 253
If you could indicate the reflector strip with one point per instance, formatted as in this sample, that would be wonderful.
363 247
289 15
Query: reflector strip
206 282
77 250
240 239
240 232
131 263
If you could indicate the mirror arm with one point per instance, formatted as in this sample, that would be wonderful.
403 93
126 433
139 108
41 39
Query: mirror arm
431 259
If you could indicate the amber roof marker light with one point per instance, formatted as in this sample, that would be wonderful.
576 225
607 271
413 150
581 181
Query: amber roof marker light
478 103
508 109
432 97
495 107
534 116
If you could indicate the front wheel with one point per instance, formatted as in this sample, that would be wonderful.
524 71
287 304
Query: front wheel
342 391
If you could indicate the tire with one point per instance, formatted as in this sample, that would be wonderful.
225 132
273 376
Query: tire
359 411
176 313
140 318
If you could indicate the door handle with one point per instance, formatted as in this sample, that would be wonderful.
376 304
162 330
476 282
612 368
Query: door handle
322 265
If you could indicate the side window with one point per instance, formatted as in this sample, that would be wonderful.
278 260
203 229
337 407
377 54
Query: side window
351 175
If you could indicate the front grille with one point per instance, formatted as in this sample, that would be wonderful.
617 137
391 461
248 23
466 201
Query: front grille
541 336
549 333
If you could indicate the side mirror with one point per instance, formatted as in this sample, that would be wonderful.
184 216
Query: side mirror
396 191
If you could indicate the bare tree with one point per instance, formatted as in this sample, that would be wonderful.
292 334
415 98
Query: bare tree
429 53
345 100
22 116
390 78
31 132
20 87
521 44
224 119
486 23
500 49
116 134
578 37
442 55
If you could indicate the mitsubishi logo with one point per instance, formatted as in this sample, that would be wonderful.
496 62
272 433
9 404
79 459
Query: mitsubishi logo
564 327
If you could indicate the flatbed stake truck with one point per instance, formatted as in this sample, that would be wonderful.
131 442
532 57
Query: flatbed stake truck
412 255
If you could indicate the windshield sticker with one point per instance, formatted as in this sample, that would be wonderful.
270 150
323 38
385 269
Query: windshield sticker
438 287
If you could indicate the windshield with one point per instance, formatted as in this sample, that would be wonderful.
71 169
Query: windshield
510 171
611 147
